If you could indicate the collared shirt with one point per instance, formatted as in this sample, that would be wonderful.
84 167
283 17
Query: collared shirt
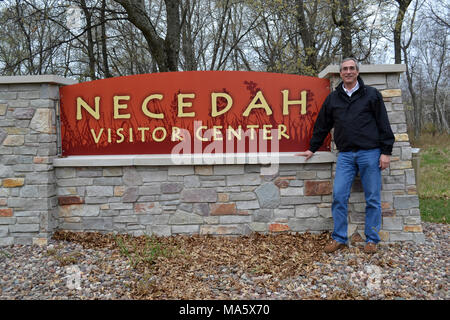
350 92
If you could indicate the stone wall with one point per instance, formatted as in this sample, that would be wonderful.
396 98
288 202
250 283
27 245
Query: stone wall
41 192
28 145
217 199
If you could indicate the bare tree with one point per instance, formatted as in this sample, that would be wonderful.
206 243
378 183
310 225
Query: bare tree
426 60
28 40
413 67
441 17
305 47
434 56
166 50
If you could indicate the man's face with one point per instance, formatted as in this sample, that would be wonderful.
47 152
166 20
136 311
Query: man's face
349 74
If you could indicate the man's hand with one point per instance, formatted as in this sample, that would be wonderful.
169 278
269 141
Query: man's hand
307 154
384 161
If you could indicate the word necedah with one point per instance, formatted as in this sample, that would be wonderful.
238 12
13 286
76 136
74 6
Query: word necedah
184 102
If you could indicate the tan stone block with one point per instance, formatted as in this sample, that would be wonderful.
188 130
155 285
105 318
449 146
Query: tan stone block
15 130
397 165
112 172
389 93
416 228
43 121
3 108
219 230
411 190
6 212
384 236
223 209
324 205
42 160
69 190
223 197
397 172
14 140
211 220
204 170
399 137
119 191
278 227
13 182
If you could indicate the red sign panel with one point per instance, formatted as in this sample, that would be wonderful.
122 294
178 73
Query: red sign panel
191 112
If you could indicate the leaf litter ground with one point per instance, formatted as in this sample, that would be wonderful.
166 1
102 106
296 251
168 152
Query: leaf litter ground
270 266
207 267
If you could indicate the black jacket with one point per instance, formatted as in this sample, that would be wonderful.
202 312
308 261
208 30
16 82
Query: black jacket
359 121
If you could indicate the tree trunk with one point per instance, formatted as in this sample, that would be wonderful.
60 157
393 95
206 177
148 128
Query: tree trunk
187 43
90 44
307 38
164 51
417 112
344 24
172 41
103 39
346 29
403 6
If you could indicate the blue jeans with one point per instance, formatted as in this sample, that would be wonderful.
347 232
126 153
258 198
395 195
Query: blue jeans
348 165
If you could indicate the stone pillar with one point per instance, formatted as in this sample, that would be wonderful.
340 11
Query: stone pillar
400 202
28 145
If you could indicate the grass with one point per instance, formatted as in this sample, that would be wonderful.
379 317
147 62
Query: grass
434 177
6 254
143 252
65 259
434 210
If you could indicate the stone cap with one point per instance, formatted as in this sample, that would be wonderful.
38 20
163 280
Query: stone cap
47 78
365 68
191 159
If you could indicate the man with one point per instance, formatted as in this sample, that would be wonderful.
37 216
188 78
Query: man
364 139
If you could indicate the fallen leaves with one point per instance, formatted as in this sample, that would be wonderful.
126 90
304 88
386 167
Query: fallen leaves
206 267
246 267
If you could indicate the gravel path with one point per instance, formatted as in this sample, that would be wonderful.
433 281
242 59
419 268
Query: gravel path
72 270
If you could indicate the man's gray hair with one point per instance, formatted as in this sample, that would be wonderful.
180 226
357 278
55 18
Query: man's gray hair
349 59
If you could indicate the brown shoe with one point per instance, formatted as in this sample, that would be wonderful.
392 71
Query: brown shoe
370 247
333 246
